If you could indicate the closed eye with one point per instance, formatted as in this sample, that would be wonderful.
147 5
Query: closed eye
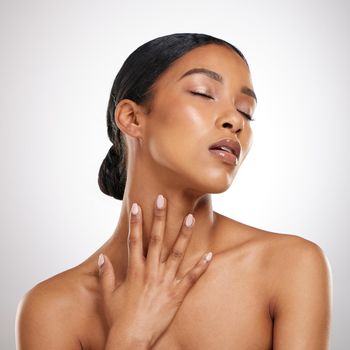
249 117
201 94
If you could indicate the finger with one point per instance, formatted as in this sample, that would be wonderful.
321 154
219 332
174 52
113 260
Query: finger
179 248
193 275
135 245
106 275
156 237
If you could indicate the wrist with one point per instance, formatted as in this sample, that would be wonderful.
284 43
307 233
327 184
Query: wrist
126 338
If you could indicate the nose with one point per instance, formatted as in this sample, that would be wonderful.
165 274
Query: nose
231 120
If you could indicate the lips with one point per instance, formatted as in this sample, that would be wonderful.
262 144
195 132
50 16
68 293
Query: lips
227 145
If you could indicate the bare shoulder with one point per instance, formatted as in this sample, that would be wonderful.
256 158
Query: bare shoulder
282 246
50 315
282 256
297 270
302 270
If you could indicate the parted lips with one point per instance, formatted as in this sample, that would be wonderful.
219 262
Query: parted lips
228 145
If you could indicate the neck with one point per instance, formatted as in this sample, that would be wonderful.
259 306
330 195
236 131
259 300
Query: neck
180 202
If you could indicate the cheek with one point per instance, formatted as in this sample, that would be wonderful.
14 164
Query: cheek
178 134
178 139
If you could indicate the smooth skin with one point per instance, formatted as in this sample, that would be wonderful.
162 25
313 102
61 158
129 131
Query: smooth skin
262 290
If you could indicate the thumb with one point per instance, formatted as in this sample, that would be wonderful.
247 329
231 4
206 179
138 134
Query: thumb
106 275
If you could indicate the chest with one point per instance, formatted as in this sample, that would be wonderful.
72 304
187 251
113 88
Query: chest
227 308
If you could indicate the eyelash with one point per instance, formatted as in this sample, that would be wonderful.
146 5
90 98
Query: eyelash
247 115
207 96
201 94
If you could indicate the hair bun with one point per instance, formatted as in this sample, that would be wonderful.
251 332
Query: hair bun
110 179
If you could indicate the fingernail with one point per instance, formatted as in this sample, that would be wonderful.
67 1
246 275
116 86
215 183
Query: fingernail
208 256
134 209
189 220
101 260
160 201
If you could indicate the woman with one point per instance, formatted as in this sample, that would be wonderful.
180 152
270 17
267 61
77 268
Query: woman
179 118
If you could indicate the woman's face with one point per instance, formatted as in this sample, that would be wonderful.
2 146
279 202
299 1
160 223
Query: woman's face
182 125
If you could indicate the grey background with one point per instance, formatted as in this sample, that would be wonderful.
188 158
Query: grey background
58 62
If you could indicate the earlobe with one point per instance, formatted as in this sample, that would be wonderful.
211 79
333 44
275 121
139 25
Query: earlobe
126 117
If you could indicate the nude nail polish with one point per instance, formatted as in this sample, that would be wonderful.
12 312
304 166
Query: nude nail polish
189 220
134 209
160 201
208 257
101 260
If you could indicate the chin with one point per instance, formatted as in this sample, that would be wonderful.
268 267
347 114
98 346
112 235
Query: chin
218 187
210 178
216 182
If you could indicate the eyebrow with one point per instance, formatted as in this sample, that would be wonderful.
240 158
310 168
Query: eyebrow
216 76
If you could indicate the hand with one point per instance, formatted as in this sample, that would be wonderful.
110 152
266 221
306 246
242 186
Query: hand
144 304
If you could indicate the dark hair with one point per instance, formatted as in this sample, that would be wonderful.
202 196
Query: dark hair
134 81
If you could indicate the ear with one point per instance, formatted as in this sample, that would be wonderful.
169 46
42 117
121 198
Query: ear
127 116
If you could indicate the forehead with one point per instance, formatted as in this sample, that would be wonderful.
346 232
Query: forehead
218 58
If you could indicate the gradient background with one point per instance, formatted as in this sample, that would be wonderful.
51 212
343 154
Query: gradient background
58 63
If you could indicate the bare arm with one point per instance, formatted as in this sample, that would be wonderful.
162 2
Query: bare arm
304 301
41 323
